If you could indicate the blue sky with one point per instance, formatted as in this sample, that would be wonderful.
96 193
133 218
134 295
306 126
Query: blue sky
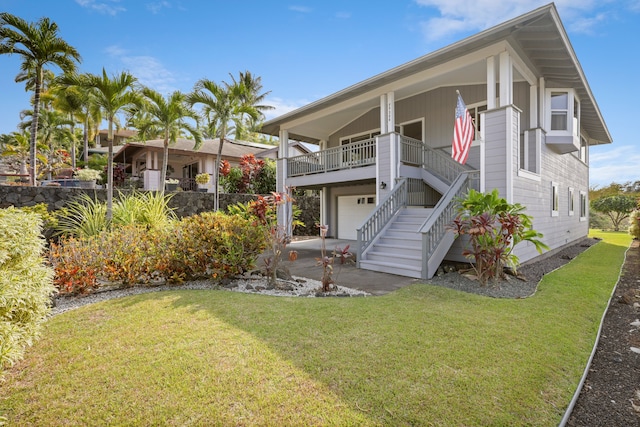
305 50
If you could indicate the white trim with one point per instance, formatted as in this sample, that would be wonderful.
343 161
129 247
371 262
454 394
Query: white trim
522 173
491 82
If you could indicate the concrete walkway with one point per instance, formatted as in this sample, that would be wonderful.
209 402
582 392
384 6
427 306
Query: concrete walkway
344 275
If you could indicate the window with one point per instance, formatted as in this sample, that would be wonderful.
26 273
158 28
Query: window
563 116
529 153
559 110
583 206
474 111
583 154
555 199
571 201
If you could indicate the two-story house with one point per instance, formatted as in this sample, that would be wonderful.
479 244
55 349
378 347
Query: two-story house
384 163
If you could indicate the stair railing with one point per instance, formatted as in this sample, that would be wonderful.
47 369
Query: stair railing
381 216
442 165
435 227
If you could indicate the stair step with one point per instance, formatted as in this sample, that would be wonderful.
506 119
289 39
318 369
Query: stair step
402 234
396 249
392 268
413 260
399 241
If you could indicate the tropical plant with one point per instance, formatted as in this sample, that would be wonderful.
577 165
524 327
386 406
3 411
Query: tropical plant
53 134
25 283
39 45
247 129
88 174
327 262
78 102
634 228
167 116
617 208
85 217
202 178
495 227
112 95
14 147
221 105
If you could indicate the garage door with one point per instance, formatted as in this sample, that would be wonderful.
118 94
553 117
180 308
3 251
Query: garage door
352 211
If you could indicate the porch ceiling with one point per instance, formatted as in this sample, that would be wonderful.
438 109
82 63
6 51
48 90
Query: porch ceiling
538 37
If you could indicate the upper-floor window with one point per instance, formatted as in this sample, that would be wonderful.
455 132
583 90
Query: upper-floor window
564 112
474 111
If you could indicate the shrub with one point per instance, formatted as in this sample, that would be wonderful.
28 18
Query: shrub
213 244
634 229
88 174
25 283
77 263
85 217
495 227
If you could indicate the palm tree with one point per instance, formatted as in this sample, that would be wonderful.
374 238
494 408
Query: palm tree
53 133
15 146
222 106
251 95
166 116
112 95
39 45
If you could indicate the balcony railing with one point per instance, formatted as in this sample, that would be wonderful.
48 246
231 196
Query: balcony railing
348 156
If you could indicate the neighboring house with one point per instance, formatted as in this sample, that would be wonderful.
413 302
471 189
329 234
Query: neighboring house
385 145
119 136
144 159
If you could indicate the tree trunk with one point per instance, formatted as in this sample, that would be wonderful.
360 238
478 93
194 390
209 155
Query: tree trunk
216 173
165 162
34 128
110 171
85 137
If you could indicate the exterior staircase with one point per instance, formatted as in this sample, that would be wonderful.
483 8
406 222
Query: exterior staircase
398 250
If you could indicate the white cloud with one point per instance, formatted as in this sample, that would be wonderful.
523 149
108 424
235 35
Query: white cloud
608 164
301 9
282 106
147 69
458 16
157 6
108 7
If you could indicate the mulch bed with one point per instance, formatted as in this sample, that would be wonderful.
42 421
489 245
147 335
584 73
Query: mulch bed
611 392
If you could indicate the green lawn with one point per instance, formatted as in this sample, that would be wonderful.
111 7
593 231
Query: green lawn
421 356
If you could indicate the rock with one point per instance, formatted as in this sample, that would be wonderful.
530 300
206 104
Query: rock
635 349
636 323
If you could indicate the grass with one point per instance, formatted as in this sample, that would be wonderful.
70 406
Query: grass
423 355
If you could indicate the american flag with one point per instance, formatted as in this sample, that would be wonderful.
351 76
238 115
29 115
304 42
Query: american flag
462 133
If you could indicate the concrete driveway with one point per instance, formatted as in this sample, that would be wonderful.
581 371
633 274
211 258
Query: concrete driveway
344 275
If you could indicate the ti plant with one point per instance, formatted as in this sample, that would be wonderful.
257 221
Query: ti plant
326 262
494 227
277 235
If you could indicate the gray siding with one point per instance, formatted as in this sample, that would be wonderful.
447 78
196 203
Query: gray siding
567 171
332 201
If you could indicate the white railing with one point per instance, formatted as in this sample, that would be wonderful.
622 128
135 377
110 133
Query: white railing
411 151
442 165
435 227
348 156
381 216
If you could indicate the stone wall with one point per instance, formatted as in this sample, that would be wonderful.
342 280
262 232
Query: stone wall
185 203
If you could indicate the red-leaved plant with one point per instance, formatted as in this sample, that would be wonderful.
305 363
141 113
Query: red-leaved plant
494 227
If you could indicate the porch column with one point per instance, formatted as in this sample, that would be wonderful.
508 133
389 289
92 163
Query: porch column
491 83
506 79
533 107
383 114
283 213
391 111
